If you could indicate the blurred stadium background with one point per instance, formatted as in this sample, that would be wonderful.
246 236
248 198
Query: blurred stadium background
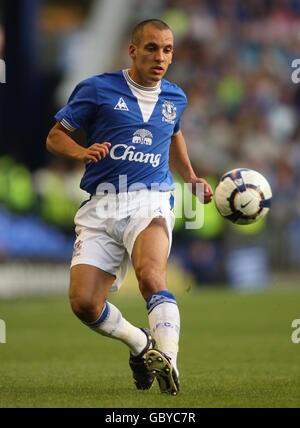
233 58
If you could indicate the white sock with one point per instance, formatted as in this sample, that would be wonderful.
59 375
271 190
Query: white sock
112 324
164 320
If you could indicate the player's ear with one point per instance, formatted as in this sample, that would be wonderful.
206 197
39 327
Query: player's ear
132 51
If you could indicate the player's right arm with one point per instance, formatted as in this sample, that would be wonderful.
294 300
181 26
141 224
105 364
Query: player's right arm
60 143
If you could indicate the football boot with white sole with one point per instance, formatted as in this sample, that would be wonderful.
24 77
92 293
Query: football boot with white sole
159 364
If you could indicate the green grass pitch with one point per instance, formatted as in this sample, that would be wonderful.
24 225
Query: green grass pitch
235 351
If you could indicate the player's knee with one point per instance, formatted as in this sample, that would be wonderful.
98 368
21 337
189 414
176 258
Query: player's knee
85 308
150 280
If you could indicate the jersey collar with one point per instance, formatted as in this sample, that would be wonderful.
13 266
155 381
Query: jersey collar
136 85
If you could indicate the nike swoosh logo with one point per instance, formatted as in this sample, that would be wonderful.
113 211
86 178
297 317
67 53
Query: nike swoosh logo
244 206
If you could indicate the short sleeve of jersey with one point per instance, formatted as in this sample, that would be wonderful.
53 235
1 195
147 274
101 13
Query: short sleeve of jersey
177 127
181 107
81 106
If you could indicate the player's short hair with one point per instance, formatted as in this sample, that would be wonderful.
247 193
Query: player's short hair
138 30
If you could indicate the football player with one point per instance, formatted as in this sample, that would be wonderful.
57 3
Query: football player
132 122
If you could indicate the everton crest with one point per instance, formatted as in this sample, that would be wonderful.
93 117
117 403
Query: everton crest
168 112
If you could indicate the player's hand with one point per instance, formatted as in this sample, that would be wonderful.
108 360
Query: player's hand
208 192
96 152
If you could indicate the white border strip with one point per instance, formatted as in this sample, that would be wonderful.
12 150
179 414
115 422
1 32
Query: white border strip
66 124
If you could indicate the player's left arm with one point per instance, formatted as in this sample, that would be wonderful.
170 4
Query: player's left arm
179 161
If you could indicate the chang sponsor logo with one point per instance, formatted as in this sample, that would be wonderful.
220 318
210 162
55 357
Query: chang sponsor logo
142 136
125 152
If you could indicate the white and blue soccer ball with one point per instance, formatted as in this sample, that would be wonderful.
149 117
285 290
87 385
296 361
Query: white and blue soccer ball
243 196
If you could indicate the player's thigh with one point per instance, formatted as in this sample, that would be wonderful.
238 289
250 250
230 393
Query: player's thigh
89 287
150 254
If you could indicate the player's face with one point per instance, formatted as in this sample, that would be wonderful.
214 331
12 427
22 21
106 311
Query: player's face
152 56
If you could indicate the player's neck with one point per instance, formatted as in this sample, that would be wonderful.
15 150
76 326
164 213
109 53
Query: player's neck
137 78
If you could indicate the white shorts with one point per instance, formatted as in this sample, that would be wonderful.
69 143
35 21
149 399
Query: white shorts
108 225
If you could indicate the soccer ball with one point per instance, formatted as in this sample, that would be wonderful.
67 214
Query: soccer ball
243 196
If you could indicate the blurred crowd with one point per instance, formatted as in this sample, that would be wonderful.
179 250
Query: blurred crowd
37 209
233 59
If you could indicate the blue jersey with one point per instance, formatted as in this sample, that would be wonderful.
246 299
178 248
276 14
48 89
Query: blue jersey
138 122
